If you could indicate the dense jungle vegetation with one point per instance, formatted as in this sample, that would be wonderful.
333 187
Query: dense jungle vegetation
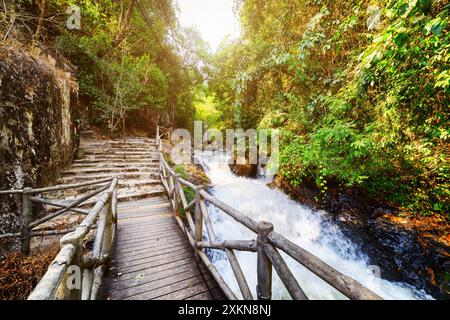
359 89
129 55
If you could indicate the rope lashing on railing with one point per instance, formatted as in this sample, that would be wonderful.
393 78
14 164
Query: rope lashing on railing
266 245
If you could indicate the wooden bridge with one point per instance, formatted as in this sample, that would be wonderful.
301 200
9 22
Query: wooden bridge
141 238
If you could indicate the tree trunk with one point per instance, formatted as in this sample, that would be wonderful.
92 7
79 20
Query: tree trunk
41 4
123 29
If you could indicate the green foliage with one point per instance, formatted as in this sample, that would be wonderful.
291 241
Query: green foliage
188 192
206 110
124 62
357 107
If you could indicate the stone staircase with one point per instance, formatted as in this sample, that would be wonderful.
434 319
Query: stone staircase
133 160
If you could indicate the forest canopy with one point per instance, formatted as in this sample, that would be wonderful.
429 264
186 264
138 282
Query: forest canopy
359 89
130 55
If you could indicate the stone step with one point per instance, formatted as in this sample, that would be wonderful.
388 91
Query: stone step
124 156
112 158
119 147
125 194
127 161
115 150
77 171
120 153
135 162
124 184
88 142
138 182
92 177
118 165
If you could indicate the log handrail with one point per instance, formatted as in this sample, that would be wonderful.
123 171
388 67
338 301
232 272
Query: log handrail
57 187
57 282
34 195
86 270
266 245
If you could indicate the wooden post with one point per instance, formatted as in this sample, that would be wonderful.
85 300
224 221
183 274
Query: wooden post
198 232
108 235
114 205
75 293
175 195
27 215
264 265
106 247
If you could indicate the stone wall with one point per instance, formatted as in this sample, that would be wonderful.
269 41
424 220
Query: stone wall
38 125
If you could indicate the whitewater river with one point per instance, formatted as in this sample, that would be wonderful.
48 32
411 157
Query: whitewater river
310 229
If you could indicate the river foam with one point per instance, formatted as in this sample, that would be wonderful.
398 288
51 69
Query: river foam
310 229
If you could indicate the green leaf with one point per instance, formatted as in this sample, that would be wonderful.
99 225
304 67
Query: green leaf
436 26
401 39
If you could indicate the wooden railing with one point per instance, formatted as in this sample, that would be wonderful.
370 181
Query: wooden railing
266 245
86 269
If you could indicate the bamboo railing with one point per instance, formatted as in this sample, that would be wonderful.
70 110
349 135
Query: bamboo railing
266 245
74 274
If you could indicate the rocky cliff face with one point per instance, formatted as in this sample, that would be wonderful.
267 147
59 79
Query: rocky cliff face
38 125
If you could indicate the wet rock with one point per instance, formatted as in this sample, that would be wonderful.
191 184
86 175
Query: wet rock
395 246
244 170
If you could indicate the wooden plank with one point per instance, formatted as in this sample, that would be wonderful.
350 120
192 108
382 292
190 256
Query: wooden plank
142 224
149 216
217 294
136 232
148 225
145 218
145 207
159 241
141 237
151 249
152 243
145 213
189 292
211 294
151 273
136 229
201 296
165 208
137 203
136 236
153 246
153 256
111 282
154 253
168 288
154 263
149 260
142 283
159 287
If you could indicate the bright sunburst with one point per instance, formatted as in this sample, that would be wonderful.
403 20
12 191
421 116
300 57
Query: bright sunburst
214 19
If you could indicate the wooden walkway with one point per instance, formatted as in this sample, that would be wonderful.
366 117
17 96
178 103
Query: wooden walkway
152 258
